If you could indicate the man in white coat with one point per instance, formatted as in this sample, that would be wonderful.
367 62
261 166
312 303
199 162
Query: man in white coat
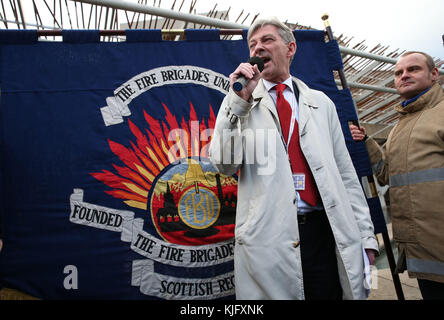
301 232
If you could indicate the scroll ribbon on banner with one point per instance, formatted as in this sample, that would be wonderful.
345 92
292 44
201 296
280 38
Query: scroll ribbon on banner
157 250
117 105
167 287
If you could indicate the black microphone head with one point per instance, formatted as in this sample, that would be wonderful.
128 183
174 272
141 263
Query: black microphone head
258 61
241 82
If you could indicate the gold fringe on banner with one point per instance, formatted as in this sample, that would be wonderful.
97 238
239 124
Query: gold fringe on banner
12 294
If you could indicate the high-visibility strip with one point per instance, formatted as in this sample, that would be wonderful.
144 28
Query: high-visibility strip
429 175
425 266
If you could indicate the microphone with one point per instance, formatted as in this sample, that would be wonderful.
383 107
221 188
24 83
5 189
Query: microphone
242 81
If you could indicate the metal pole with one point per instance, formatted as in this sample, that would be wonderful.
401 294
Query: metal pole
166 13
392 263
222 24
21 13
370 87
372 56
367 55
330 38
371 181
58 32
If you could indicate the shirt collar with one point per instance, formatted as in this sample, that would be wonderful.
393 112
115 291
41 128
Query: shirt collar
406 102
269 85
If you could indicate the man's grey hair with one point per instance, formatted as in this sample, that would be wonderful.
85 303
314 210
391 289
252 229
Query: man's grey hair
285 32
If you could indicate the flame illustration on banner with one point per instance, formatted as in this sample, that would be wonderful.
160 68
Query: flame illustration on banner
167 173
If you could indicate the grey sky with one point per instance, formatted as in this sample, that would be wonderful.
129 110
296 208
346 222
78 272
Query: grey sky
403 24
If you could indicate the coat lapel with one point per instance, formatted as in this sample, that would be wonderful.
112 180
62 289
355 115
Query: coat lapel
261 95
305 105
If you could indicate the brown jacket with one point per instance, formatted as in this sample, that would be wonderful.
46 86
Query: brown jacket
412 163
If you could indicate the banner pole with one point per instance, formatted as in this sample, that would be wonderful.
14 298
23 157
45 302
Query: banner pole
385 236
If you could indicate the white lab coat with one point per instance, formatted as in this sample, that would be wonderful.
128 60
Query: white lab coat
267 260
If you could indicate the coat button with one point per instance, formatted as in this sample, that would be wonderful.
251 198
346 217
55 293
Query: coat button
296 244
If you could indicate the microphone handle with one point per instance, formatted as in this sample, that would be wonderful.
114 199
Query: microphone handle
240 83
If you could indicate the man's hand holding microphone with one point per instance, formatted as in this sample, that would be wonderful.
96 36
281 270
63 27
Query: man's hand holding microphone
244 79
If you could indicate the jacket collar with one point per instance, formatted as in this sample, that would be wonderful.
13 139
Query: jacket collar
260 94
407 102
427 100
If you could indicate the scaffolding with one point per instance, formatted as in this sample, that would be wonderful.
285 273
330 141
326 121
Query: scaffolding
369 72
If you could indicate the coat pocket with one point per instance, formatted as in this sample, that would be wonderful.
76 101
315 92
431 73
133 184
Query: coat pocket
251 221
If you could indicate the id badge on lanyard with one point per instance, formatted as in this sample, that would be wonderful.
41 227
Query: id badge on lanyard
299 181
298 178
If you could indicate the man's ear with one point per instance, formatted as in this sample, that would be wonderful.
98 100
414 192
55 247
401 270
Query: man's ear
291 49
435 74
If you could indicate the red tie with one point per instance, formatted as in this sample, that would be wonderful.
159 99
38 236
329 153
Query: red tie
298 162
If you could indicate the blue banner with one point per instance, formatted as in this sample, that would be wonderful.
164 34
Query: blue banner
106 188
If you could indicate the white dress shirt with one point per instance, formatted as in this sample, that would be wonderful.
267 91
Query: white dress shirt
303 207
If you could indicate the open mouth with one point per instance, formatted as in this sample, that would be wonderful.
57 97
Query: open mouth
266 59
